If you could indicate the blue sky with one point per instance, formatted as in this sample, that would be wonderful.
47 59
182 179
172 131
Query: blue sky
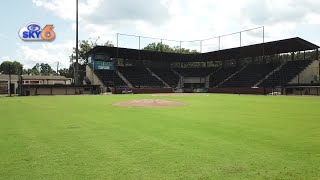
170 19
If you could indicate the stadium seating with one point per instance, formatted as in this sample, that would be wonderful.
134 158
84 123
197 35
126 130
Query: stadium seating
167 75
195 72
285 74
140 77
250 75
220 75
107 77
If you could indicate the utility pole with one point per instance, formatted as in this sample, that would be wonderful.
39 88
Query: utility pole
77 45
58 67
9 86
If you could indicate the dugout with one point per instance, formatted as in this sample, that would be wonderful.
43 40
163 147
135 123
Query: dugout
303 89
58 89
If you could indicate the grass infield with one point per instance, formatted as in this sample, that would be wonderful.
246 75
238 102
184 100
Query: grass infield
212 137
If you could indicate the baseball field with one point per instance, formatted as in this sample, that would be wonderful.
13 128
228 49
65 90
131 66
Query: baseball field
200 137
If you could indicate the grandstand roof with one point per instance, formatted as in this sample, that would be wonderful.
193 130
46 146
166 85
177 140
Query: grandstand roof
269 48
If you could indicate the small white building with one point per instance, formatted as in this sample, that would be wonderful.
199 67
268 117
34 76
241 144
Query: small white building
30 80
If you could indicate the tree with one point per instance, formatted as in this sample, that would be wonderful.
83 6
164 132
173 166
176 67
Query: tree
7 67
159 47
166 48
45 69
84 47
35 70
108 43
40 69
184 50
67 72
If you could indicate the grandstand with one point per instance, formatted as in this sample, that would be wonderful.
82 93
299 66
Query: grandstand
167 75
286 73
110 78
249 75
140 77
256 68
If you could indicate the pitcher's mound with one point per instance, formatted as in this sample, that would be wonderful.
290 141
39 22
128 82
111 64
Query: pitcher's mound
149 103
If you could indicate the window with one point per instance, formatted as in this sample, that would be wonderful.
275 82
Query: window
34 82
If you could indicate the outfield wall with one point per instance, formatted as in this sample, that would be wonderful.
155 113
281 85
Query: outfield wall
311 91
144 90
260 91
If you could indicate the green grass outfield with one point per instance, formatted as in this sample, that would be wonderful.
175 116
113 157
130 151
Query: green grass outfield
213 137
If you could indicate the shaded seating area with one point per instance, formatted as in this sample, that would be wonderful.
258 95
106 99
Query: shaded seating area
108 77
167 75
220 75
140 77
194 72
250 75
285 74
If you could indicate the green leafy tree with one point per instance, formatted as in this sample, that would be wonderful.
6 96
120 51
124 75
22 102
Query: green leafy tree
84 47
159 47
45 69
166 48
7 67
35 70
67 72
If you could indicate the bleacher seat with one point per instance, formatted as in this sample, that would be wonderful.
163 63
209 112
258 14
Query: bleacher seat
220 75
167 75
140 77
195 72
109 78
250 75
285 74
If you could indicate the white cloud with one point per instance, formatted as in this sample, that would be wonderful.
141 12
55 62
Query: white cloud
46 53
186 19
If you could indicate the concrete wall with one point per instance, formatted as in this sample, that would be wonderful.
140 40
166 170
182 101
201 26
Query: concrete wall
57 91
92 77
194 79
307 75
49 82
4 90
260 91
313 91
146 90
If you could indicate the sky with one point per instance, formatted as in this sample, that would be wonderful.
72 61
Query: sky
180 20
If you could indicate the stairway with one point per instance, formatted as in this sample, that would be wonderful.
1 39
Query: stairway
267 76
95 80
153 74
231 76
124 79
207 85
181 79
